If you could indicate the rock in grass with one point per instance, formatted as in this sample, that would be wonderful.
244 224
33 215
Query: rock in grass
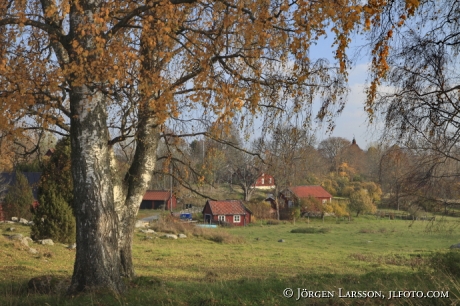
16 237
46 241
170 236
141 223
182 236
281 240
148 231
455 246
33 251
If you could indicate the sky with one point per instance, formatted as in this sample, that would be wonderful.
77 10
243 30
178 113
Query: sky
353 120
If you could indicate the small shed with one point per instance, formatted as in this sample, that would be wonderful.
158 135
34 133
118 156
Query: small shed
229 211
158 199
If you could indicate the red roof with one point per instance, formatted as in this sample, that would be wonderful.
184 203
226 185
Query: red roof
227 207
310 191
157 195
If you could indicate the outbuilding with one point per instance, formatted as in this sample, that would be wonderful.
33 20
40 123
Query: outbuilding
158 199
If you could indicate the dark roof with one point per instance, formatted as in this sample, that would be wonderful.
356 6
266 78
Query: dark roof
157 195
9 178
315 191
227 207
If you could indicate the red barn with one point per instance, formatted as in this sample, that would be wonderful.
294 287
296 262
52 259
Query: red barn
290 195
158 199
265 181
229 211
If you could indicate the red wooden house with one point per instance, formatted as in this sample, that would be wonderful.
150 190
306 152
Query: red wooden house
265 181
158 199
229 211
289 196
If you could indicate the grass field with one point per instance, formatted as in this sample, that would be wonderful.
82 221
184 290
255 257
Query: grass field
248 266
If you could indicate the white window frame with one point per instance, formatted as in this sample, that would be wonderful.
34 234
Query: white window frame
236 218
221 218
262 181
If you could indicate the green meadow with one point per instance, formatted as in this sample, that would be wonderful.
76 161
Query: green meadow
333 262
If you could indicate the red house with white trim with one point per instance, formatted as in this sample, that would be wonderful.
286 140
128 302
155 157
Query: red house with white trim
229 211
265 181
158 199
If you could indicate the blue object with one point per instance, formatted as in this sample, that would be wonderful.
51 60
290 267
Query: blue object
186 216
207 225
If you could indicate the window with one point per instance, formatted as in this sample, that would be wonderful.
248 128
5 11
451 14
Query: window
236 219
221 218
290 204
262 181
269 180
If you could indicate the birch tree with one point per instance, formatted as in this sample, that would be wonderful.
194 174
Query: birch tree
110 71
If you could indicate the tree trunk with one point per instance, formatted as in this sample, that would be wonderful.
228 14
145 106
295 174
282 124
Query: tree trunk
97 263
135 183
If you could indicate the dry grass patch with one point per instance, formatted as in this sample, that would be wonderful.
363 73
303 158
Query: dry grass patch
391 259
190 229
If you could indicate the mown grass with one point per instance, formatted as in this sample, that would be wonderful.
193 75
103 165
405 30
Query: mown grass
248 266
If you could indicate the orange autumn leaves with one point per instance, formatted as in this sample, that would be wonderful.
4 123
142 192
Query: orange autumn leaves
220 54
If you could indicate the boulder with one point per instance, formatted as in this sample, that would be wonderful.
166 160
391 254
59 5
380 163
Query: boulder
24 221
455 246
141 223
19 237
16 237
170 236
182 236
281 240
72 246
46 241
10 229
14 219
148 231
33 251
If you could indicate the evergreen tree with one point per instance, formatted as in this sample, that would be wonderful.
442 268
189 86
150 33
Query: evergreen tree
18 201
54 218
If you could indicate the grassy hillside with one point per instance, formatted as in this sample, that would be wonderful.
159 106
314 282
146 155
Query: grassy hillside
248 266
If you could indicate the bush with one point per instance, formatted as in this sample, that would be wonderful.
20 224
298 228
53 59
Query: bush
53 218
19 199
447 262
311 230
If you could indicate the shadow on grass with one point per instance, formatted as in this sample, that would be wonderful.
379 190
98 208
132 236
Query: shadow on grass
322 289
